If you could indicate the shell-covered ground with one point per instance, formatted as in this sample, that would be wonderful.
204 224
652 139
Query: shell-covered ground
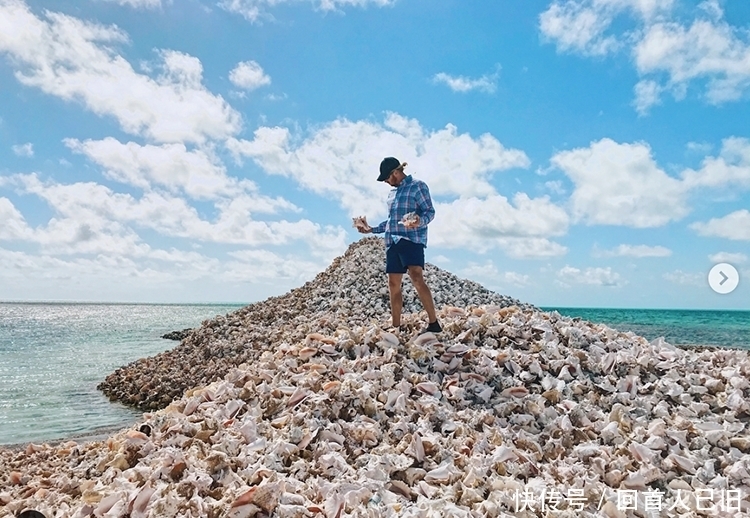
510 411
351 291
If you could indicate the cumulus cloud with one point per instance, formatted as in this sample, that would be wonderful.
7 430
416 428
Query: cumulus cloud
255 265
647 94
582 25
728 257
734 226
686 278
521 228
486 83
569 275
253 10
730 169
25 150
138 4
75 60
668 54
90 217
707 50
197 172
340 159
637 251
14 225
249 75
620 184
488 272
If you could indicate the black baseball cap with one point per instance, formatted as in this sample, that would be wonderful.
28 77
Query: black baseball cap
387 166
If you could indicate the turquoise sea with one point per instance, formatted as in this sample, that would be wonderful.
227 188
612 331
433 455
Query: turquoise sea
53 355
722 328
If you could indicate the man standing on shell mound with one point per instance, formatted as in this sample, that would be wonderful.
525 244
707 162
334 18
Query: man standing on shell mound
410 210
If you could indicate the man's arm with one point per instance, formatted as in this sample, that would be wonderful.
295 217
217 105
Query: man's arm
379 229
425 210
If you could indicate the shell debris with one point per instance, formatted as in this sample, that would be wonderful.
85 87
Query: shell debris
301 406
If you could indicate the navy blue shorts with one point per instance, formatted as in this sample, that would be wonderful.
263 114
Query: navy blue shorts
402 254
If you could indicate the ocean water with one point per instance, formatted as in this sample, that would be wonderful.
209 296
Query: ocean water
52 356
722 328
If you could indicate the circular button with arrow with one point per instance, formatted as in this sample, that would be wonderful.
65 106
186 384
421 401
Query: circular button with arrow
723 278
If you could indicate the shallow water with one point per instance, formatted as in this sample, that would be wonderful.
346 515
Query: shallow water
722 328
52 357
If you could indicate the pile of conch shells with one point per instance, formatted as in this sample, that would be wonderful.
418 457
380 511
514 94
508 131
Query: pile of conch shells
333 417
352 291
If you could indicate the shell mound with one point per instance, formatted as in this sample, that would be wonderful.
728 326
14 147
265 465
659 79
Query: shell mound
351 291
506 406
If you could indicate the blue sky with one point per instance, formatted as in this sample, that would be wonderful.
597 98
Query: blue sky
579 152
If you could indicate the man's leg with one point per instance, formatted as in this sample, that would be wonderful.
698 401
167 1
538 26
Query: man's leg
394 289
423 291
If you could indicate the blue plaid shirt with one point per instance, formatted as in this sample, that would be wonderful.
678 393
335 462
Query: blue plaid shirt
410 196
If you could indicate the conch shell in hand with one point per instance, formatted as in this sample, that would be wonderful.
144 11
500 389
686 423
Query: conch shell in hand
360 223
409 218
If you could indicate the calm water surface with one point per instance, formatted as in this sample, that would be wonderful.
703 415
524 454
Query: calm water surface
52 357
677 326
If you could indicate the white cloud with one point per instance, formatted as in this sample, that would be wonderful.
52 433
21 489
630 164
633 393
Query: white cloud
521 228
582 25
516 279
647 94
196 172
249 75
138 4
486 83
730 168
555 186
685 278
728 257
531 247
574 27
569 275
489 272
707 50
702 148
620 184
669 55
74 60
14 225
26 150
252 10
735 226
156 275
254 265
638 251
440 259
90 217
340 159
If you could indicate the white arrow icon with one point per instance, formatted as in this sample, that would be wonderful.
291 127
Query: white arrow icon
723 278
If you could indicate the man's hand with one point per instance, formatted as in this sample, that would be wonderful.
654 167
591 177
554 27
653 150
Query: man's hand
360 223
414 223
